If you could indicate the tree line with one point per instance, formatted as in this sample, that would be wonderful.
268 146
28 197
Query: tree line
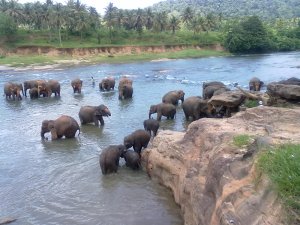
61 21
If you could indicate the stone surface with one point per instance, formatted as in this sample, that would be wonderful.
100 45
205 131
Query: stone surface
229 99
214 181
286 91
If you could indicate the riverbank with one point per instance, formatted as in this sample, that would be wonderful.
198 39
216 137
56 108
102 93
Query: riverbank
44 57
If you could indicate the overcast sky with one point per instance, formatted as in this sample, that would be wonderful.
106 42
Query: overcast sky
101 4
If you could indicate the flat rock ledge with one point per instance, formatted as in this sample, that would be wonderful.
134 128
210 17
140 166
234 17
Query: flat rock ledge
214 181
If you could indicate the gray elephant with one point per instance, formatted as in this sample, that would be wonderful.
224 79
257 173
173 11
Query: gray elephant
196 108
62 126
33 84
109 158
107 84
13 90
76 85
213 88
125 92
151 125
255 84
132 159
163 109
138 139
125 88
39 92
173 97
93 114
54 86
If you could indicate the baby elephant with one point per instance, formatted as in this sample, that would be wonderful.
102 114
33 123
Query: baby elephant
93 114
132 159
109 158
163 109
138 139
151 125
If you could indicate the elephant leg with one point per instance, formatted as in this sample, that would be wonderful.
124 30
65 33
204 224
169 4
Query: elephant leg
101 121
172 116
54 135
137 148
155 132
159 116
96 122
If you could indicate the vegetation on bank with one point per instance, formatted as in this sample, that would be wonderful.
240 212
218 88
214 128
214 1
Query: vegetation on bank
26 60
241 140
76 25
281 164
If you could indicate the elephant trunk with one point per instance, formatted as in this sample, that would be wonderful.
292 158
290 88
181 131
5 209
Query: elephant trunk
42 134
150 115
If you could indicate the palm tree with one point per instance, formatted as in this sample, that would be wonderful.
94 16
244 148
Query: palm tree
187 15
109 17
59 19
161 20
14 11
174 23
149 19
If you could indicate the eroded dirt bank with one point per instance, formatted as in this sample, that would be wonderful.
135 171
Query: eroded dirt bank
214 181
110 50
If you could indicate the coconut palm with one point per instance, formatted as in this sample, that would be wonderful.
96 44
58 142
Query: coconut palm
174 23
109 17
187 15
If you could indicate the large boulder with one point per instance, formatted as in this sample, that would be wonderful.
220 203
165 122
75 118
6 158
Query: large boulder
229 99
286 91
214 181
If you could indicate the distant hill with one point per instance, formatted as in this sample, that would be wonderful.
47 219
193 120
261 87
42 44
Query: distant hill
265 9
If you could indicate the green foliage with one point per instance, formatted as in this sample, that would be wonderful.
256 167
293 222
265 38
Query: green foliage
241 140
7 25
251 103
282 165
248 36
265 9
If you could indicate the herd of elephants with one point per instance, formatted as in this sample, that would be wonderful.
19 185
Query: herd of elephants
194 107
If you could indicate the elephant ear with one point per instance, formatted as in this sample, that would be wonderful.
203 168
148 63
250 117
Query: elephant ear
53 134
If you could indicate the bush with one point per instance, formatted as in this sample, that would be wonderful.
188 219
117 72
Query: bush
248 36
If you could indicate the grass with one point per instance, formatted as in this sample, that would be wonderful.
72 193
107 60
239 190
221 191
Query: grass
282 165
241 140
26 60
251 103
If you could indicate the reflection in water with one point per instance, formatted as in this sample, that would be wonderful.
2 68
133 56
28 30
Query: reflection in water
60 182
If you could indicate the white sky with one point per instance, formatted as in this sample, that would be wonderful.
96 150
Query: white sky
101 4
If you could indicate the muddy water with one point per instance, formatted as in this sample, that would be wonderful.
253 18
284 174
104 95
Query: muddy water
60 182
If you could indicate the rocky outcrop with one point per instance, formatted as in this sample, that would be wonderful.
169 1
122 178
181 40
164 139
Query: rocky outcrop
214 181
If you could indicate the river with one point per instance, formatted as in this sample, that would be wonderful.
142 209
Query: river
60 182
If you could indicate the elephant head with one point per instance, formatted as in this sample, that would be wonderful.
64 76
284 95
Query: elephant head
153 109
255 84
128 141
180 94
48 126
102 110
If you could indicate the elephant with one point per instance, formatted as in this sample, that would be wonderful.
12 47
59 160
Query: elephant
63 126
54 86
76 85
13 90
255 84
125 91
196 107
173 97
163 109
33 83
212 83
36 93
107 84
213 88
89 114
125 88
151 125
109 158
132 159
138 139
